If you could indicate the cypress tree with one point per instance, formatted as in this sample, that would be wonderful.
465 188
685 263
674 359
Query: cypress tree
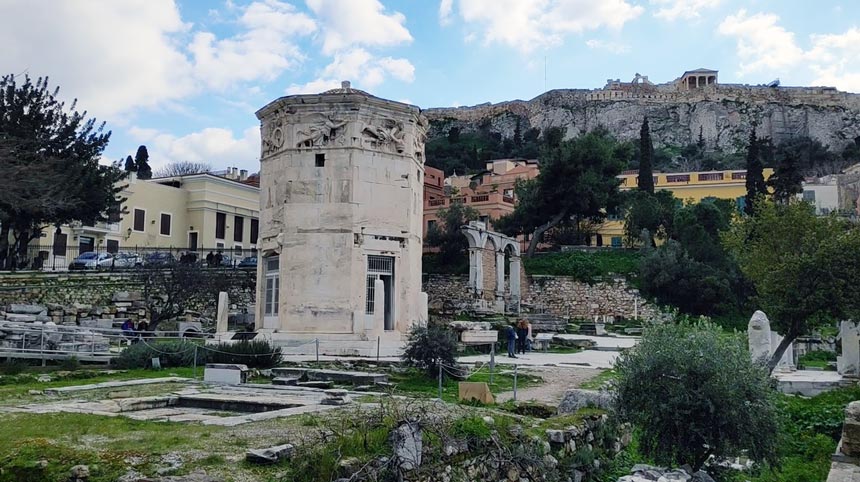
787 180
646 159
755 183
141 159
130 166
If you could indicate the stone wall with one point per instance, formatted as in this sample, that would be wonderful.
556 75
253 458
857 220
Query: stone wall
97 289
559 295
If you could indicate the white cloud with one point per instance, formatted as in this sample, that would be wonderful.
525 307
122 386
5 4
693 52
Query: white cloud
215 146
261 52
612 47
765 46
118 57
112 56
529 24
360 67
832 58
445 9
352 23
682 9
762 45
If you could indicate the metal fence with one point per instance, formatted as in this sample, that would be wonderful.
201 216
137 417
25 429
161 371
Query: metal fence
118 258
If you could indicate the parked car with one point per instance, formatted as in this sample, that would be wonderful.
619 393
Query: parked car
159 258
92 260
249 262
127 260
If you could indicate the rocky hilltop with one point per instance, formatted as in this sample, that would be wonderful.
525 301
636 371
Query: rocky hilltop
677 114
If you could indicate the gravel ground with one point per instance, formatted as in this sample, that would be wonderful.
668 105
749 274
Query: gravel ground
556 381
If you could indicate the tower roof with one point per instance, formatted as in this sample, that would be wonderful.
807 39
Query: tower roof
346 88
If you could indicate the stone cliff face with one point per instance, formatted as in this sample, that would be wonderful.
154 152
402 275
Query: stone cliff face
723 114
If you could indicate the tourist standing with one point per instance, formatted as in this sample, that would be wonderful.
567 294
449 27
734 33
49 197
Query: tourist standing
512 340
522 334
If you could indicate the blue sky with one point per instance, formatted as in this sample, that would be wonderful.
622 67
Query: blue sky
185 77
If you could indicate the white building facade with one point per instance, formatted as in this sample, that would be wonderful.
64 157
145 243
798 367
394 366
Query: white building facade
341 218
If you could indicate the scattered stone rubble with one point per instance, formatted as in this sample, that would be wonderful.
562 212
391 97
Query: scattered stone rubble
647 473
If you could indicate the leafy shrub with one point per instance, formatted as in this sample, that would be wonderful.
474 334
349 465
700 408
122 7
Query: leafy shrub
70 364
819 355
583 266
254 353
428 346
12 367
693 392
170 354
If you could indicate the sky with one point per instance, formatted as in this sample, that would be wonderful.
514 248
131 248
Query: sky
185 77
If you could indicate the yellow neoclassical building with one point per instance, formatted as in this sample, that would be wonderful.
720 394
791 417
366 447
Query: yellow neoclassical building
686 186
183 213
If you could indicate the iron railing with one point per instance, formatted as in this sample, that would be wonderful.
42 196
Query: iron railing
101 258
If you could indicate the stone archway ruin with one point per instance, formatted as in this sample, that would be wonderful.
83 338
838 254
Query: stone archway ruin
487 252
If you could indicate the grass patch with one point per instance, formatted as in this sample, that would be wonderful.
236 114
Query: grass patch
63 440
598 381
584 266
15 387
415 383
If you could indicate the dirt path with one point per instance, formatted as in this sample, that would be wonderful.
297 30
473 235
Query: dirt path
556 381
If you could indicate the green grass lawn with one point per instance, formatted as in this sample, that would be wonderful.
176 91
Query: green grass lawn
598 381
414 383
16 386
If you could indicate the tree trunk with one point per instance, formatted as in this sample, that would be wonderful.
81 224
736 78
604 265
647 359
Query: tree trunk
4 246
780 350
538 233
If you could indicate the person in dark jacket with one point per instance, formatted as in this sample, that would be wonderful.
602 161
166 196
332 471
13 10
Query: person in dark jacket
522 335
512 340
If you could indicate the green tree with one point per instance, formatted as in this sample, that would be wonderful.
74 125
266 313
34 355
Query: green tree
755 184
692 271
446 234
652 211
577 181
141 160
429 346
805 268
693 392
50 155
787 179
646 159
129 165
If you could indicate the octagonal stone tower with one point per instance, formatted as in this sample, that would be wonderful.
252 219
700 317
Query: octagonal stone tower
341 219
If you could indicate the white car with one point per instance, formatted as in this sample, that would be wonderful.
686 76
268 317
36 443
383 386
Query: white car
124 260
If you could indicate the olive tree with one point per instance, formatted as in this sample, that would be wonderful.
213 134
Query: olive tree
693 392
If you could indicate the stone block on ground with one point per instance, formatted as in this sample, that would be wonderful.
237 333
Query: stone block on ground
407 443
479 391
316 384
270 455
577 398
233 374
25 309
851 430
290 381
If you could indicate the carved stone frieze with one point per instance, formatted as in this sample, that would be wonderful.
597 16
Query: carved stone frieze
322 130
388 136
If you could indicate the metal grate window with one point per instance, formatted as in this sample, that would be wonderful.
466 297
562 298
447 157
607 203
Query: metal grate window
371 294
380 265
376 266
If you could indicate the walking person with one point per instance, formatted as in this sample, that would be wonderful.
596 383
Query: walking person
522 334
529 336
512 340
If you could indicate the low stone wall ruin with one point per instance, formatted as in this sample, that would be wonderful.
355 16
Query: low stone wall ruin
83 291
562 296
